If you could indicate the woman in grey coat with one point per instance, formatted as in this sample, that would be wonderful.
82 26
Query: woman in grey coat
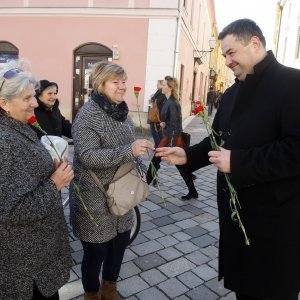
103 136
35 258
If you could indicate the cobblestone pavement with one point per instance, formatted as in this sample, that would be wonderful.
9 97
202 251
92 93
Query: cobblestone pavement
175 253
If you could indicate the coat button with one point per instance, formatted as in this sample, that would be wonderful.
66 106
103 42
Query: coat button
229 132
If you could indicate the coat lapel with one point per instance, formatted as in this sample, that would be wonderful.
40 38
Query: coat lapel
23 129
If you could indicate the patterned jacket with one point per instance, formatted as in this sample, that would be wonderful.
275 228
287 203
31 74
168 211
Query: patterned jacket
101 144
34 239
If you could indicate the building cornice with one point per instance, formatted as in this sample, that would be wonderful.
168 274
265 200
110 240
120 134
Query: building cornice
89 11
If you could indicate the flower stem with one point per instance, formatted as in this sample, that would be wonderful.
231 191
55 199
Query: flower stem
233 201
83 204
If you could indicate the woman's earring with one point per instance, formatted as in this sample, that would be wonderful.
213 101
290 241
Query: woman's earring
7 112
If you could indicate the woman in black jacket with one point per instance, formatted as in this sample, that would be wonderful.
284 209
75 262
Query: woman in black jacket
48 113
171 123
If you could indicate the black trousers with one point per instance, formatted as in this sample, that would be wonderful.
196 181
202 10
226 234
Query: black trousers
110 254
242 297
38 296
187 177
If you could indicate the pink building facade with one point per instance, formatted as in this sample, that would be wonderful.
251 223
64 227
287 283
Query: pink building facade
149 38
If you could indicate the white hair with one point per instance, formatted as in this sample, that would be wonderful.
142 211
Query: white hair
16 85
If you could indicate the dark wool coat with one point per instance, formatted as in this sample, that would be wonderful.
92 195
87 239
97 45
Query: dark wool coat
33 235
101 144
52 121
259 121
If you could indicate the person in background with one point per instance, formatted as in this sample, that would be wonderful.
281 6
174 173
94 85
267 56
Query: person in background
171 123
218 99
261 154
104 139
34 248
211 99
48 114
160 98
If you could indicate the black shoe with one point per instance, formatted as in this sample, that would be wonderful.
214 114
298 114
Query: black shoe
190 196
194 177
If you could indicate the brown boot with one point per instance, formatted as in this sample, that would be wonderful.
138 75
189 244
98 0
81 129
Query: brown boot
92 296
109 290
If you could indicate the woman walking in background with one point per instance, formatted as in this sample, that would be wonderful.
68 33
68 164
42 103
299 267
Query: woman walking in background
171 124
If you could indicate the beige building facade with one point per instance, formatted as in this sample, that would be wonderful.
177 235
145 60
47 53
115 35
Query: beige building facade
149 38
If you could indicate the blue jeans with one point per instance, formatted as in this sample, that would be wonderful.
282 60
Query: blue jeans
157 135
110 254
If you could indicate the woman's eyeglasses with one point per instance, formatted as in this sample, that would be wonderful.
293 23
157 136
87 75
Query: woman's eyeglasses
9 75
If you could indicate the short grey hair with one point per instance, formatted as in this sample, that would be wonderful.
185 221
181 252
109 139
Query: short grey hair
15 86
103 71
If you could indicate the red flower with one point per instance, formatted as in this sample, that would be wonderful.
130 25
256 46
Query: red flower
32 120
137 90
198 109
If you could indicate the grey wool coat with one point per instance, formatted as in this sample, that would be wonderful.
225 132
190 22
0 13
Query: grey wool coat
101 144
33 235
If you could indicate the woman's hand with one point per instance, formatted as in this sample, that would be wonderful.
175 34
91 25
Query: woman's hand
139 147
162 125
172 155
63 174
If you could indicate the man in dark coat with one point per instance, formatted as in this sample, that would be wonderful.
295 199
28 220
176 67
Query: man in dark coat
259 123
211 99
160 99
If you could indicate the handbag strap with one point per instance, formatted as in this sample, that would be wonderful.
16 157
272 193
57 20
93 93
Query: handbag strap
121 171
98 182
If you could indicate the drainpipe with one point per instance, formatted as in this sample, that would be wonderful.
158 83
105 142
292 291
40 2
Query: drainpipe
176 54
280 6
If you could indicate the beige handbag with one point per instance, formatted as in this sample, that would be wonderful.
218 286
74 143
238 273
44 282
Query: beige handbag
127 189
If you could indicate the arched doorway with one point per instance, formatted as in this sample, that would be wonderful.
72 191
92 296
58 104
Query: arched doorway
8 52
84 58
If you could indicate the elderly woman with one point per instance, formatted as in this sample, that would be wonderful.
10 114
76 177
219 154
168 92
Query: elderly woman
48 113
103 135
34 251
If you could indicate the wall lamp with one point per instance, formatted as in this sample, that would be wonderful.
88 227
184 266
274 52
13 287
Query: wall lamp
212 45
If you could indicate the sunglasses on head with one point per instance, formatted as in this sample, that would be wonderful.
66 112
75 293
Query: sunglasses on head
9 75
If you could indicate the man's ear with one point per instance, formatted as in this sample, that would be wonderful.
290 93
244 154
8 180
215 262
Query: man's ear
255 42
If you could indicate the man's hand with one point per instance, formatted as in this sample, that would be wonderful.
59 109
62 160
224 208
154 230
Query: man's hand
172 155
221 159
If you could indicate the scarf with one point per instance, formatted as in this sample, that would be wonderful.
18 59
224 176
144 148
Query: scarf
118 112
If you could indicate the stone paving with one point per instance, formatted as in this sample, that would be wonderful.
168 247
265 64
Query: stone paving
175 255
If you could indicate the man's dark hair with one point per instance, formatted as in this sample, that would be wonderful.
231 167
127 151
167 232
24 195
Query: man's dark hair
244 30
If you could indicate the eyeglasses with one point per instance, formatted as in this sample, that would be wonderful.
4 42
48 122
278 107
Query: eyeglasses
9 75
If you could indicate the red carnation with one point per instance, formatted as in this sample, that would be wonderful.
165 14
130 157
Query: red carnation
137 90
198 109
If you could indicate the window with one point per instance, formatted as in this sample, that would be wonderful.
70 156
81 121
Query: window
8 52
